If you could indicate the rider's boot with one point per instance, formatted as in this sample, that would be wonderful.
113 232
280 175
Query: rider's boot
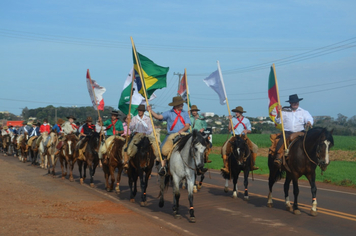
163 170
278 160
226 165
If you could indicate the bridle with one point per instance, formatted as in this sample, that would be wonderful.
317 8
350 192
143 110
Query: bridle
318 150
191 151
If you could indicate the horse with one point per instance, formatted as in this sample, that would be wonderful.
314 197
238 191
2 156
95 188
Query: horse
305 154
22 148
187 157
43 150
115 159
67 155
90 156
33 151
6 140
142 152
239 160
13 145
51 150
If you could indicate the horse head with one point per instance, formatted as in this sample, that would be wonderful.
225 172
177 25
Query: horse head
240 148
197 148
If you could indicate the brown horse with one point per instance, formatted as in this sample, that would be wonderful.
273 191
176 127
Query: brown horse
33 152
115 159
67 155
305 155
22 147
51 150
142 159
90 157
6 140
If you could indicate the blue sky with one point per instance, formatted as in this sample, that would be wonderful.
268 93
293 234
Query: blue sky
46 47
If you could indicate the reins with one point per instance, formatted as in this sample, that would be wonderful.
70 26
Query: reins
305 151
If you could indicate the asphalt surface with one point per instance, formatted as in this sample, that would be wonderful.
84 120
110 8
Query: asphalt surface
217 213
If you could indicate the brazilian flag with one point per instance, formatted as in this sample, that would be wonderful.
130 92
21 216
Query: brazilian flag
155 76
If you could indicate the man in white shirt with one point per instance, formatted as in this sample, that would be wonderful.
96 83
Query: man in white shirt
141 123
294 120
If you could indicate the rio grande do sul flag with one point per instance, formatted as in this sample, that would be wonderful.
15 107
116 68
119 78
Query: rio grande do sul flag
182 90
273 97
95 92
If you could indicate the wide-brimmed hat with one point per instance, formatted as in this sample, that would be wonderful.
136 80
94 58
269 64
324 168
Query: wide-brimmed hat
24 122
176 101
294 98
71 116
115 113
141 108
34 122
60 121
194 108
5 127
238 109
89 119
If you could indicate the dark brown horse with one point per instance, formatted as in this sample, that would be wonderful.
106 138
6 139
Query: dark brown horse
305 155
115 160
239 160
21 147
67 155
33 152
6 140
91 157
140 165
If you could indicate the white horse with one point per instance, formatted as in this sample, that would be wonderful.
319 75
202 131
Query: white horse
187 157
44 139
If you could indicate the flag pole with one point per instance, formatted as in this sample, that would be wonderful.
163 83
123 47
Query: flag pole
280 110
144 91
186 82
128 124
227 101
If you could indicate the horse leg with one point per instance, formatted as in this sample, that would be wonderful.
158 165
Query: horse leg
296 193
163 181
62 166
112 175
85 170
271 181
286 193
177 196
201 181
246 174
91 172
80 166
234 181
118 179
313 210
226 189
190 198
143 183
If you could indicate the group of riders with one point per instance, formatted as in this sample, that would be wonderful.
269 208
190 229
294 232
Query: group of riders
179 122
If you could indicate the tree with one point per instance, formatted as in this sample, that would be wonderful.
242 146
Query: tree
341 119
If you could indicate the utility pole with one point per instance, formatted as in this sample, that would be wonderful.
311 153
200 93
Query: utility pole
179 77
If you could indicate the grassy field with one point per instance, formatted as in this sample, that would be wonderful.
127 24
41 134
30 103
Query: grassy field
338 172
347 143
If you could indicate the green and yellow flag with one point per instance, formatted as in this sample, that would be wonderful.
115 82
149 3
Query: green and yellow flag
155 76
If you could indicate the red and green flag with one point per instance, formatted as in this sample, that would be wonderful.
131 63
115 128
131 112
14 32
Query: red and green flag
273 97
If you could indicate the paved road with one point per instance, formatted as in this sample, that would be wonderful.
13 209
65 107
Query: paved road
218 213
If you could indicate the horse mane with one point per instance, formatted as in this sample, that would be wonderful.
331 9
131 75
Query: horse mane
318 131
197 138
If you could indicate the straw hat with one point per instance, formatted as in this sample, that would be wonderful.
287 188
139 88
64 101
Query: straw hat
5 127
176 101
238 109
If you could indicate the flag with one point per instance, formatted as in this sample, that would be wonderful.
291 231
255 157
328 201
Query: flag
137 99
95 92
182 91
214 81
155 76
273 98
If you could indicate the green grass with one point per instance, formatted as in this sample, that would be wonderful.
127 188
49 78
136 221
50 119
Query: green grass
347 143
338 172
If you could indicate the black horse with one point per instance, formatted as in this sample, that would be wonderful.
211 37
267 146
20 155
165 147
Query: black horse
140 165
91 156
305 154
239 160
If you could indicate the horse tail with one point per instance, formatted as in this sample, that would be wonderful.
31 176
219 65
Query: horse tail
164 184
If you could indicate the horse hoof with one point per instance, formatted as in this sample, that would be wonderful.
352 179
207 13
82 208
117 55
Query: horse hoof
246 198
177 216
289 208
226 189
63 177
132 200
117 190
192 219
92 185
195 190
296 212
161 204
313 213
71 179
270 205
183 187
108 190
143 204
199 186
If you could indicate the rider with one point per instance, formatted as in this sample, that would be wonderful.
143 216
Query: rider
242 126
69 127
114 125
177 122
58 126
88 127
198 122
45 127
294 119
23 130
33 133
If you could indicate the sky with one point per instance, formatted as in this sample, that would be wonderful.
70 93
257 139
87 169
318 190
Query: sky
47 46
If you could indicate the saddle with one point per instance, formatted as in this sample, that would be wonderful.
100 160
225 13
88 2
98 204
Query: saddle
132 148
171 143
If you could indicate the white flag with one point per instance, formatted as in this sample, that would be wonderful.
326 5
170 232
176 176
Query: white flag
214 81
137 98
98 90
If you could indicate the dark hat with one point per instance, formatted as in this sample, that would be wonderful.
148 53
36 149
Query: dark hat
60 121
294 98
176 101
141 108
34 122
238 109
71 116
194 108
45 120
115 113
11 126
89 119
24 122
